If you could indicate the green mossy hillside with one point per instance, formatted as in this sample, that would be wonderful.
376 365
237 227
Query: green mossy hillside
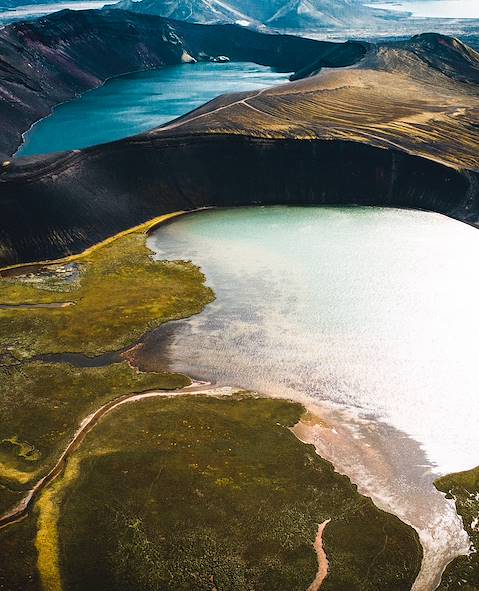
18 557
118 292
43 403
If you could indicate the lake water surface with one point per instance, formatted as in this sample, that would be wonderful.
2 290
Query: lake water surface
370 315
138 102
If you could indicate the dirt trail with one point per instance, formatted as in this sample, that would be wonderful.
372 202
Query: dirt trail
323 562
26 504
186 119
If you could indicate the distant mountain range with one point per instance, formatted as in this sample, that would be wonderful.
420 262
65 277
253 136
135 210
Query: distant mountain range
284 14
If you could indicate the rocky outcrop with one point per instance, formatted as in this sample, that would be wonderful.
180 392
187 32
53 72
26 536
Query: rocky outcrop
53 59
398 128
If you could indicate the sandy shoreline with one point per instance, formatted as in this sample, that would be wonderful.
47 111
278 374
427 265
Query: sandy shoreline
354 446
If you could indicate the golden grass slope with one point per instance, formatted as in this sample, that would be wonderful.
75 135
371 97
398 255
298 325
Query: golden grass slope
121 293
391 99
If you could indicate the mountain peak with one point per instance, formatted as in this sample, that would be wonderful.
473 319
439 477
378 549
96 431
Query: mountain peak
287 14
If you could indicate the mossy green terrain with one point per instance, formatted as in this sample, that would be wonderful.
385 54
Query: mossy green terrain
43 403
218 493
184 493
115 293
463 487
18 557
121 292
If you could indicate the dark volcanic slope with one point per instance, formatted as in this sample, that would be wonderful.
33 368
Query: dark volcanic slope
50 60
400 128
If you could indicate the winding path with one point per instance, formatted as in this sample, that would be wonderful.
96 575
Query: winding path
322 558
186 119
26 504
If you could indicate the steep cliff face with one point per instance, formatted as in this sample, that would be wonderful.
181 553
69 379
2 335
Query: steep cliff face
287 53
52 59
55 206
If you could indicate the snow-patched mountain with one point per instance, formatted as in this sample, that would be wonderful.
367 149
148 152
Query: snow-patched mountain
304 13
286 14
199 11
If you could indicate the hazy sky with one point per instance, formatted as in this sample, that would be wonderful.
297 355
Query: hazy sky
438 8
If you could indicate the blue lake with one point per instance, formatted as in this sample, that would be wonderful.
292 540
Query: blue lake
134 103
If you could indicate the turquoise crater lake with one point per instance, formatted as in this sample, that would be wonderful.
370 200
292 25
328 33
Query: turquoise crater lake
138 102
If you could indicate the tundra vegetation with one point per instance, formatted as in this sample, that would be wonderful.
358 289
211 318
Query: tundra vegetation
209 493
185 492
117 292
